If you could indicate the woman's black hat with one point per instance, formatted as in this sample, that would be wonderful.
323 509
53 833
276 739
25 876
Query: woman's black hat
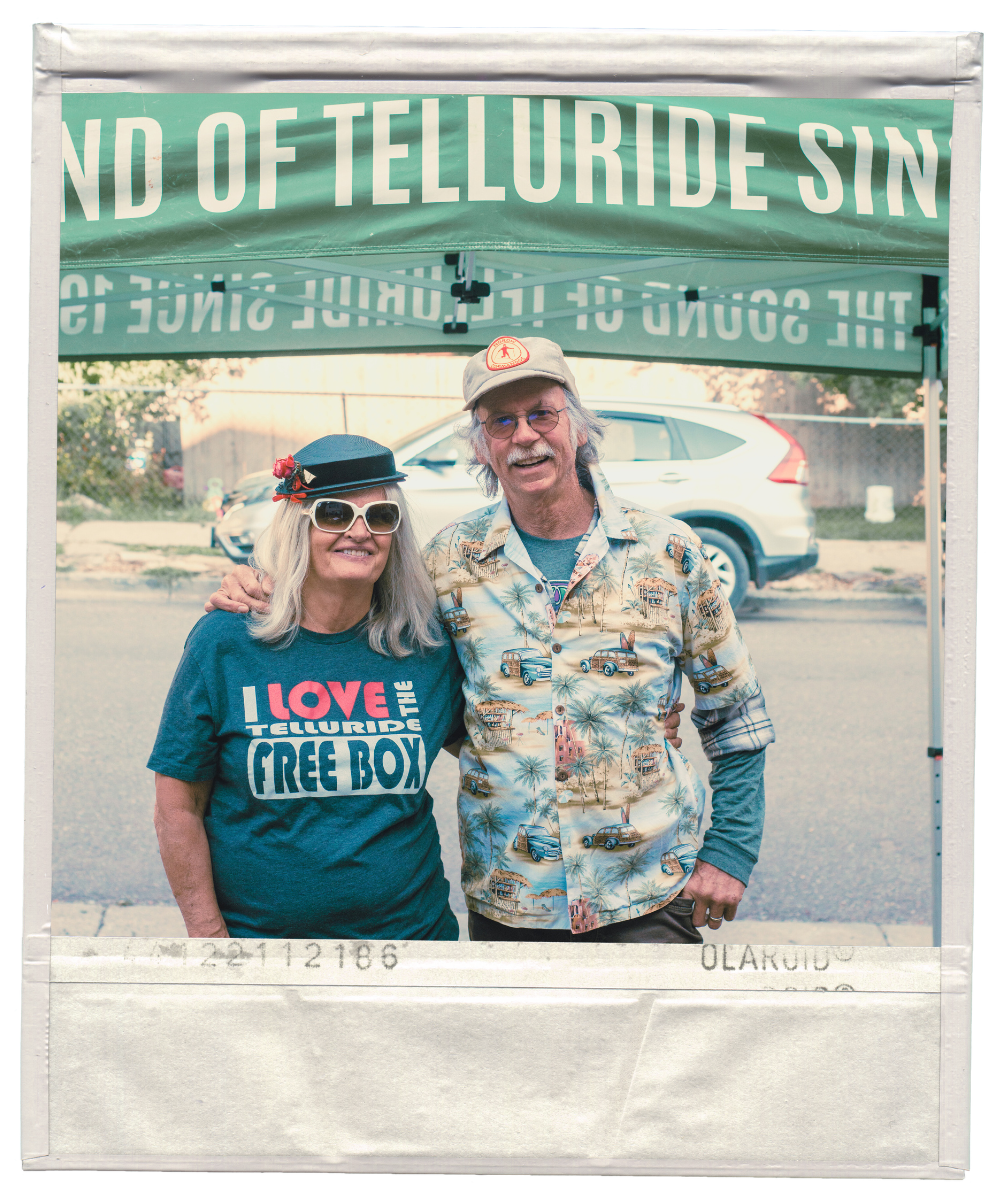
339 462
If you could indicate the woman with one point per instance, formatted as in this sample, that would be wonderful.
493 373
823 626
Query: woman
294 745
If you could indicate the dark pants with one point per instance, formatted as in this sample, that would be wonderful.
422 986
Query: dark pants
672 923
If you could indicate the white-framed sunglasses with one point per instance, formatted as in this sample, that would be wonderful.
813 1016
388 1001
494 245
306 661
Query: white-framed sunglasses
337 516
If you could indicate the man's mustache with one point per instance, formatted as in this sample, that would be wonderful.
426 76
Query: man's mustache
520 454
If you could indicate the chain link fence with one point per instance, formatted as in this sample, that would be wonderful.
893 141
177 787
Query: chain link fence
847 455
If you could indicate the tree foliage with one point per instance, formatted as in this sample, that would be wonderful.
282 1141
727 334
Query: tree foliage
97 428
872 396
836 394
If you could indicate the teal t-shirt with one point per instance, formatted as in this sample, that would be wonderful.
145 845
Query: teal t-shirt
555 558
319 823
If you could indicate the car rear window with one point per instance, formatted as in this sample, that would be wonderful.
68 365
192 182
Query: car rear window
702 441
635 437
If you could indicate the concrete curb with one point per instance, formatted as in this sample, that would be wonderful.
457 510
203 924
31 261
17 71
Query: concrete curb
822 596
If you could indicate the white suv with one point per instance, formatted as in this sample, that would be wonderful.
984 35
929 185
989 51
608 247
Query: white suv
736 478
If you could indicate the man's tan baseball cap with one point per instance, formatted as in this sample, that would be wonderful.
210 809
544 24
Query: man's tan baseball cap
509 358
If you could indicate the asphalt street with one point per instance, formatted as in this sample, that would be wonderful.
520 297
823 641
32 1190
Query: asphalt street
848 828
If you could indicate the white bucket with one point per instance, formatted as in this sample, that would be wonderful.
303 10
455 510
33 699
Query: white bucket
878 507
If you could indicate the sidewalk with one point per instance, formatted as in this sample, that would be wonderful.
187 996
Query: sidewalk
122 550
856 570
164 920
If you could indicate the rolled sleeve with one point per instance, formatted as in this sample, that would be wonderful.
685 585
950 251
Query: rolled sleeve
738 728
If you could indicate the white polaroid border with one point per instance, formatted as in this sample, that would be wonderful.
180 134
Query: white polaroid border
905 1035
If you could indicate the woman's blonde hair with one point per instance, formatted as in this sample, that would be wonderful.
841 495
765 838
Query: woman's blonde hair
403 616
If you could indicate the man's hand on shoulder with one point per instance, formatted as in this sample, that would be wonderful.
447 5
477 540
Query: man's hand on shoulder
240 591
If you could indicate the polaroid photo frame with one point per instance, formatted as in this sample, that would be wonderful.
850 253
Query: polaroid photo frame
421 192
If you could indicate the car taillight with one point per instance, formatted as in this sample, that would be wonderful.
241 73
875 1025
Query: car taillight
794 467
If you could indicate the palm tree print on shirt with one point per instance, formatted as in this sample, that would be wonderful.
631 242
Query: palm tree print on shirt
540 630
674 800
531 771
604 580
596 886
473 655
522 629
603 753
548 809
642 529
650 892
591 717
490 822
622 871
632 700
516 597
565 687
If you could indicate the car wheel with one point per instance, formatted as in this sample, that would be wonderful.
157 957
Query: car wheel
610 843
730 564
609 669
704 688
527 680
536 856
505 671
473 789
585 666
588 842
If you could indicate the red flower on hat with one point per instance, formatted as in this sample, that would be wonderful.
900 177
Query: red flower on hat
283 467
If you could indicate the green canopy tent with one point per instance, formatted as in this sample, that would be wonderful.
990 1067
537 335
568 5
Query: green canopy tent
805 234
789 236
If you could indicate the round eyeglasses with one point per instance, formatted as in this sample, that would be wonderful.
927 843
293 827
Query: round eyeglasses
501 426
337 516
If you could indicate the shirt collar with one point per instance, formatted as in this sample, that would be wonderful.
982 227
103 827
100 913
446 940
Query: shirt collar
610 515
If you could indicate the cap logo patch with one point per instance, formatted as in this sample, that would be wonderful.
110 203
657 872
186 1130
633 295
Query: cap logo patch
506 352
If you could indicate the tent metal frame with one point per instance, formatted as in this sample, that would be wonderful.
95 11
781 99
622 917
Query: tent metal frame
319 268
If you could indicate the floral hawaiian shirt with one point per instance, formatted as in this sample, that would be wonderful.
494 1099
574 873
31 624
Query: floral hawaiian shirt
573 811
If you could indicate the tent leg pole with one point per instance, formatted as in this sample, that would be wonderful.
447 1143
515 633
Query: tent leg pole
935 639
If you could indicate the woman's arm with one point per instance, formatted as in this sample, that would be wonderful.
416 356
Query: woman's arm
179 818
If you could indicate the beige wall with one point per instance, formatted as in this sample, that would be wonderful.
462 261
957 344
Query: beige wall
281 404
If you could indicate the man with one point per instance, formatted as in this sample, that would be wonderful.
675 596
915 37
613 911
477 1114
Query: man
577 819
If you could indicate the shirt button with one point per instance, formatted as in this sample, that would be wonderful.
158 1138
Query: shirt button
556 647
560 709
539 588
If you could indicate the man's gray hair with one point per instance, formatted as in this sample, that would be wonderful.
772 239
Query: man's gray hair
581 420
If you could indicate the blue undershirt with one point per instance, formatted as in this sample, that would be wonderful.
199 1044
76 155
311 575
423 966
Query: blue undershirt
554 557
